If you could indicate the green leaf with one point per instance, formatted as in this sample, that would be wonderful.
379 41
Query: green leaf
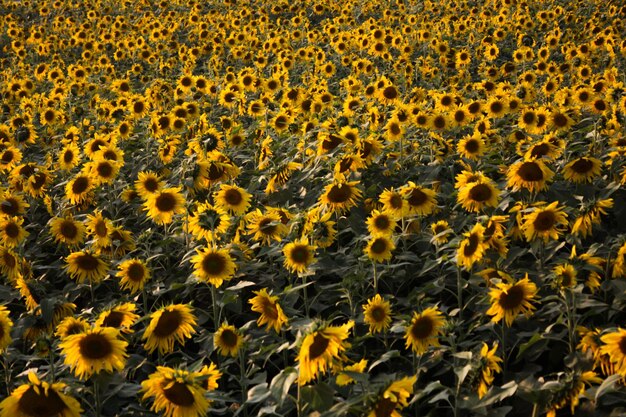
320 397
497 394
608 385
279 387
258 393
523 347
384 358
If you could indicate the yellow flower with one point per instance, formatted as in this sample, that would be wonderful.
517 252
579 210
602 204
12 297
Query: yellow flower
208 222
508 300
133 274
532 175
341 195
84 265
67 230
271 312
321 350
475 196
266 227
472 248
213 265
544 222
39 398
377 314
489 365
164 204
228 340
169 324
5 328
424 329
233 199
421 201
71 325
176 393
381 223
615 347
96 350
121 317
379 248
394 397
345 379
298 255
582 169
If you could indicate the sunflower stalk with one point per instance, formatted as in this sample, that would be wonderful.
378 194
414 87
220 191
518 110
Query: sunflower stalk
375 278
244 383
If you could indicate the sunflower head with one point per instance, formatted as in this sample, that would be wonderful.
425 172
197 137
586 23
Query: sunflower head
228 340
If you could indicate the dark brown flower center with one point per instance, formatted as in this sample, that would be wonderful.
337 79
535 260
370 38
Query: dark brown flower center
396 201
480 193
151 184
269 309
229 338
390 93
266 226
41 404
233 197
168 323
382 222
472 146
80 185
530 171
101 228
582 166
622 345
87 262
379 246
213 264
513 298
10 206
472 245
104 169
68 229
95 346
423 328
178 394
417 197
300 254
12 230
68 156
318 347
378 314
339 193
113 319
135 272
166 202
544 221
384 407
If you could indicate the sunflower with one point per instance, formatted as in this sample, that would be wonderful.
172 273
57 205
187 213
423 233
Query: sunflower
228 340
379 248
121 317
148 183
472 248
84 265
208 377
320 228
341 195
266 227
78 189
233 199
544 222
12 204
67 230
420 201
164 204
508 300
488 366
394 203
133 274
99 227
381 223
11 231
344 379
472 147
532 175
39 398
615 347
583 169
565 275
299 255
5 328
213 265
475 196
570 388
377 314
93 351
441 230
71 325
271 312
321 350
176 393
208 222
167 325
394 397
423 330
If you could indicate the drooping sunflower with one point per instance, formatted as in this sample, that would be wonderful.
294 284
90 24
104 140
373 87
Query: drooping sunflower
488 366
208 222
83 265
615 347
209 375
393 398
266 227
271 312
228 340
321 350
583 169
121 317
565 275
67 230
475 196
176 393
233 199
571 386
424 329
377 314
472 248
299 255
531 175
320 228
133 274
441 230
71 325
357 367
379 248
420 201
164 204
169 324
96 350
213 265
39 398
545 222
5 328
381 223
508 300
341 195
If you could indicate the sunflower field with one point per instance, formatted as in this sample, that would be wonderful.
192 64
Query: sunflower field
312 208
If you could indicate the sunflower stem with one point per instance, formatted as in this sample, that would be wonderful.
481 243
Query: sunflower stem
504 353
96 394
305 296
459 290
570 304
375 278
244 383
214 301
51 359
